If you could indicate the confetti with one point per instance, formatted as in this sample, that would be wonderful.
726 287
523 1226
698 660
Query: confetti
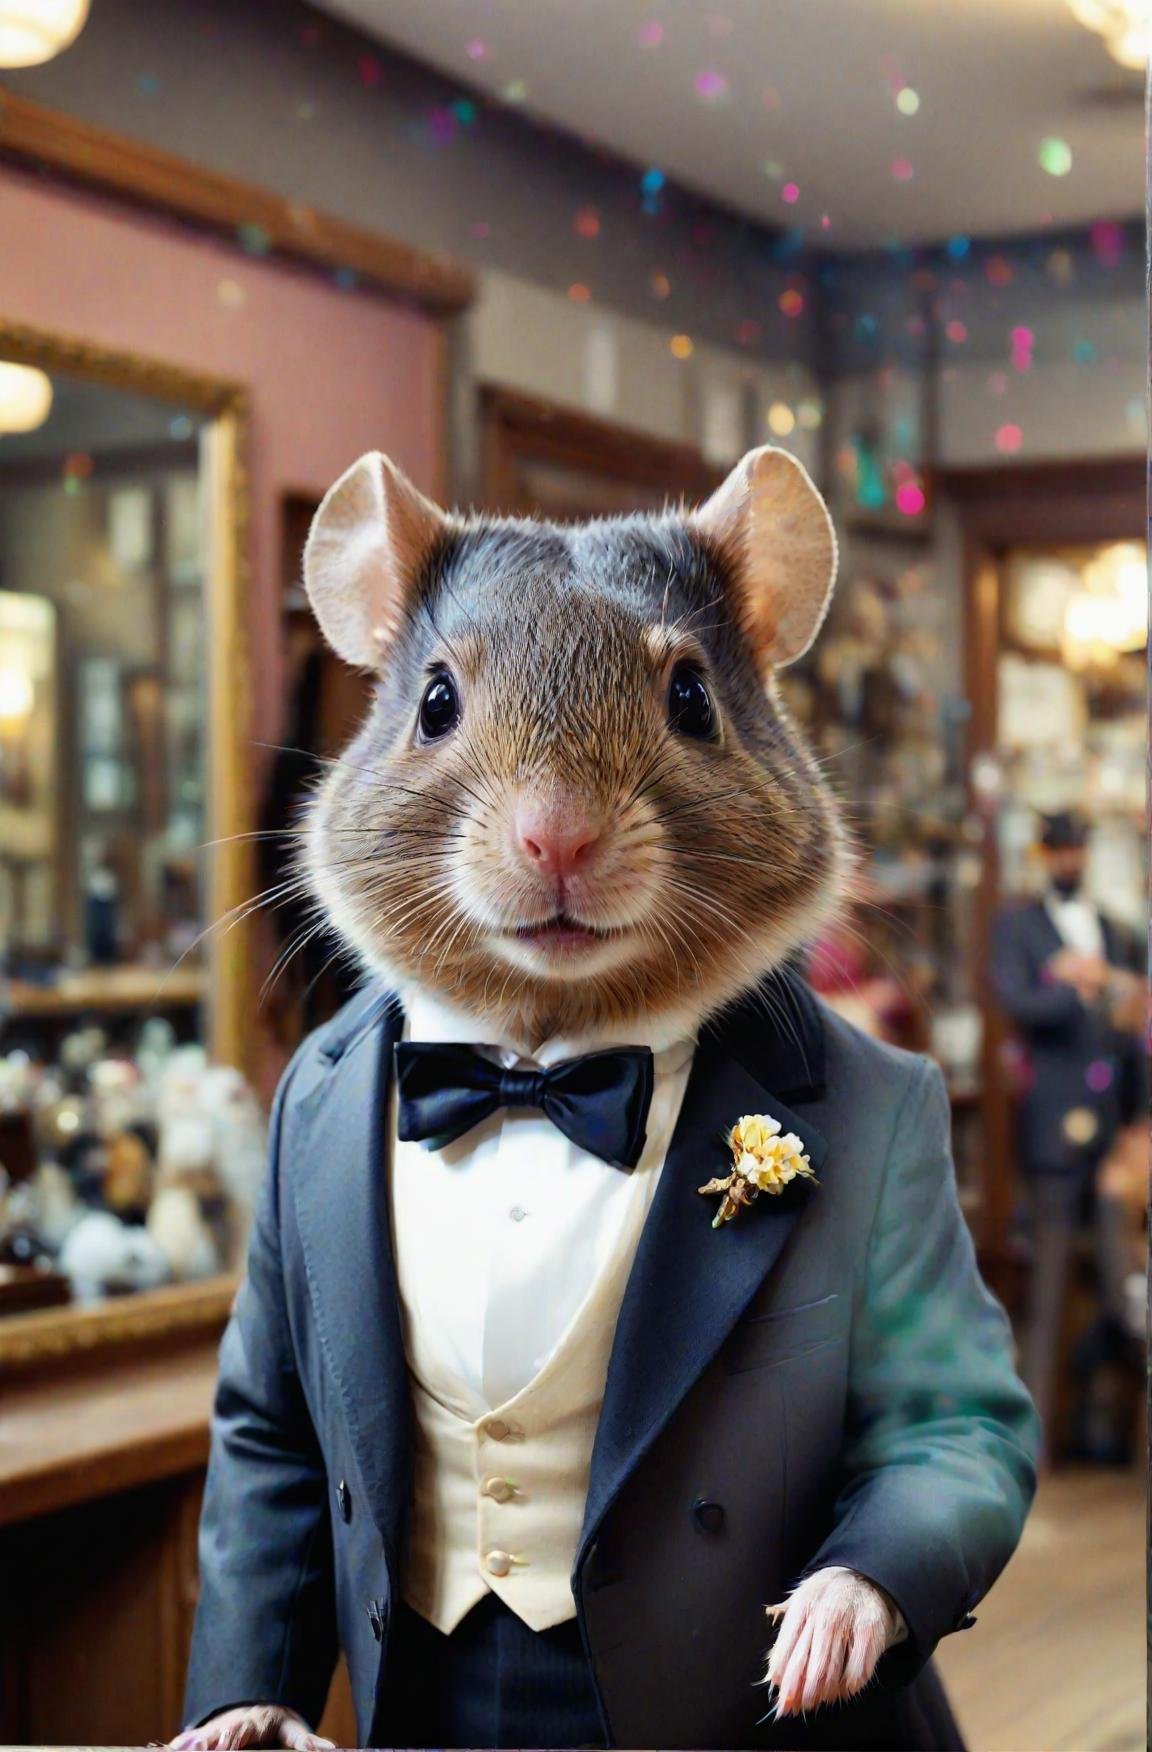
652 182
810 413
1008 439
515 91
465 111
1098 1076
1084 353
231 294
790 193
1107 242
791 302
651 34
910 500
902 170
586 222
956 331
1055 157
659 285
579 293
772 169
681 346
781 419
998 271
477 49
907 101
711 86
1022 340
958 247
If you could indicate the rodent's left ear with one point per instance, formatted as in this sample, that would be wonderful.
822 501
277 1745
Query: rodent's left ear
368 541
773 529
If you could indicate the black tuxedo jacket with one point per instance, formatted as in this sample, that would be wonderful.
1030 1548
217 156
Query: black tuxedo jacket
827 1372
1076 1059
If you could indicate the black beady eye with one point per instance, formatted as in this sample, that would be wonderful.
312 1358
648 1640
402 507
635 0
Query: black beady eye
440 707
690 710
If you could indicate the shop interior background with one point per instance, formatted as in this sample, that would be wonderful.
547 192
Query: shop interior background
576 258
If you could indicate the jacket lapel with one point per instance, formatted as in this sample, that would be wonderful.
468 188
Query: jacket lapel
341 1196
689 1283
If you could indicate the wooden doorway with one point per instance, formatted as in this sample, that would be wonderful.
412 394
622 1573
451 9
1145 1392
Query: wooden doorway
1001 511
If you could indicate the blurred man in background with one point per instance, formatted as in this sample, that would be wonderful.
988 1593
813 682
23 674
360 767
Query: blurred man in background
1071 981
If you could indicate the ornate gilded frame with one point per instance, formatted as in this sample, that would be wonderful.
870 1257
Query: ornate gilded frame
154 1316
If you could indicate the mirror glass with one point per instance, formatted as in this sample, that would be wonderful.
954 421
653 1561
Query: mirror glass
114 1127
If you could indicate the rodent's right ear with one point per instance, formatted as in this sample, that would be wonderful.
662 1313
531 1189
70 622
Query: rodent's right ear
369 539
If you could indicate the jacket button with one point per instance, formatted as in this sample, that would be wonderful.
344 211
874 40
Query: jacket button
344 1498
501 1490
966 1622
709 1517
498 1563
375 1618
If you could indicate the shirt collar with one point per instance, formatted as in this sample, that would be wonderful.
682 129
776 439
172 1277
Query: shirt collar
429 1018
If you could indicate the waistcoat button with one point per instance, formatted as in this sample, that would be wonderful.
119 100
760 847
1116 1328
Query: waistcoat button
497 1428
344 1498
499 1489
498 1563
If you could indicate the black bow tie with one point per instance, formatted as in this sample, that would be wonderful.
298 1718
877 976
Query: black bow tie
599 1101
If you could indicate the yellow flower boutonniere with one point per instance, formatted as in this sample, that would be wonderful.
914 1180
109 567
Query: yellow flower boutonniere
765 1158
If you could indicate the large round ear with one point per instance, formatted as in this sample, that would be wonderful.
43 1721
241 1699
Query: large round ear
773 530
365 550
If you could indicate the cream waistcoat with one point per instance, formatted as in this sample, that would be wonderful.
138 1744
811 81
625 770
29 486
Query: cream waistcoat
500 1488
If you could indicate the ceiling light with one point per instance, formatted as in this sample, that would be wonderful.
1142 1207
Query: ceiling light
25 397
1125 25
33 31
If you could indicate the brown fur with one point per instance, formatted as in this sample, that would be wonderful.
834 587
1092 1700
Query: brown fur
718 857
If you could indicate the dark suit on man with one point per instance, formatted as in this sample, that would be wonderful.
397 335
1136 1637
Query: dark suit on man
1083 1079
824 1381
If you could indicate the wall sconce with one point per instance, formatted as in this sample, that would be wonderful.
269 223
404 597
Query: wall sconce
33 31
1125 25
25 392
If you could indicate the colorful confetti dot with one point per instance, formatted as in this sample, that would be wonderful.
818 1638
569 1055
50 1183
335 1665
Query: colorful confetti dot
231 294
651 34
515 91
477 49
465 111
747 332
956 331
652 182
1055 157
586 222
681 346
711 86
958 247
772 169
781 419
1084 353
790 193
791 302
1107 242
1022 341
810 413
902 170
907 101
910 500
1098 1076
579 293
998 271
1008 439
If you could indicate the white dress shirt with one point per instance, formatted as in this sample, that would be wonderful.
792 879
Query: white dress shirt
499 1236
1077 923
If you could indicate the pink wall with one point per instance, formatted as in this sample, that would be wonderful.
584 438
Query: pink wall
330 373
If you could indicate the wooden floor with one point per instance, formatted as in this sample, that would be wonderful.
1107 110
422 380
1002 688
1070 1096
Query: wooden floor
1056 1660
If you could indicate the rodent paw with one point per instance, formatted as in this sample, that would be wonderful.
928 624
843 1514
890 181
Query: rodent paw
833 1629
251 1725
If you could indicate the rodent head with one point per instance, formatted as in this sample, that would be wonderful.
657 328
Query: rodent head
577 804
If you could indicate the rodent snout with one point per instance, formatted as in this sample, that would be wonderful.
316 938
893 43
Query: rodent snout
558 841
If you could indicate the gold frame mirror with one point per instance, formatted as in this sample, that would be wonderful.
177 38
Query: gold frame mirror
175 1312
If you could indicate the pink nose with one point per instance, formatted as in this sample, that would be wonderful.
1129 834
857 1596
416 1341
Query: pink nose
557 842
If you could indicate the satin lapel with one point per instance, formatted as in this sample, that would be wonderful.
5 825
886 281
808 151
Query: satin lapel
341 1195
690 1283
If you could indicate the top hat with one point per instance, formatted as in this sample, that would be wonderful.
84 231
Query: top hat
1064 830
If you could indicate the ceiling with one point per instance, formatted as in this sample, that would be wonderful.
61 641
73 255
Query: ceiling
747 100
